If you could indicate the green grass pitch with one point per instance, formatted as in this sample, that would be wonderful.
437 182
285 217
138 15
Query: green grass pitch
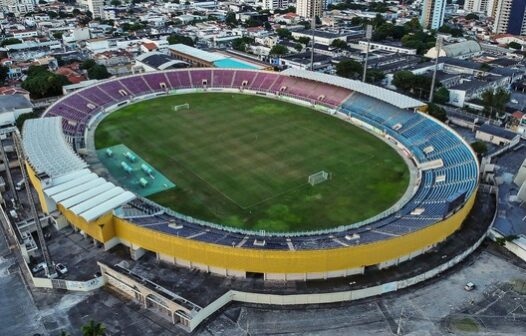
244 161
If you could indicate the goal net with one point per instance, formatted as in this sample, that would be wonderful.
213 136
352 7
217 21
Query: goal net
318 177
181 107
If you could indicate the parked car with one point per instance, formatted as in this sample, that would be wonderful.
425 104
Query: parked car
469 286
39 267
61 268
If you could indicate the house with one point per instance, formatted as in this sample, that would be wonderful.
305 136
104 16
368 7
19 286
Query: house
12 106
496 135
155 61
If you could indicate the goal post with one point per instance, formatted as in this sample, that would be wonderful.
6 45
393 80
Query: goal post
318 177
181 107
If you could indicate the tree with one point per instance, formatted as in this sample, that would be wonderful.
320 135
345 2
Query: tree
349 69
115 3
177 38
87 64
495 101
515 45
279 50
471 16
339 44
284 33
93 328
98 71
242 43
453 31
485 67
437 112
57 35
42 83
253 23
303 40
9 41
4 73
418 40
374 75
267 26
441 96
298 47
479 147
23 117
230 19
402 80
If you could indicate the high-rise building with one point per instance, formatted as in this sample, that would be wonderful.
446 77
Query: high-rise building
433 14
488 7
96 7
17 7
306 8
510 17
274 4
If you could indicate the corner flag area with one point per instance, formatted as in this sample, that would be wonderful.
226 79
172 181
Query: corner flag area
132 172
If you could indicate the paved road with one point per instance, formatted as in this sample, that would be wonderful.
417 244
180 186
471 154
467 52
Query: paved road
18 314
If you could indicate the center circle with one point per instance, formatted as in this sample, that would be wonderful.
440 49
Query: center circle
244 161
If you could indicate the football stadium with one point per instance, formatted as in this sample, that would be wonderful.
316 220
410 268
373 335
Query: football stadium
285 176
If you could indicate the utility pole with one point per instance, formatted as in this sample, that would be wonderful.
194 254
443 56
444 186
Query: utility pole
313 27
399 328
8 171
438 47
50 269
368 35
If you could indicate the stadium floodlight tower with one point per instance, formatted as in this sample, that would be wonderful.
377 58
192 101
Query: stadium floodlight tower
368 36
438 46
313 27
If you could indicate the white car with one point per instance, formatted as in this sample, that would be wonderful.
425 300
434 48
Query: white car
39 267
61 268
469 286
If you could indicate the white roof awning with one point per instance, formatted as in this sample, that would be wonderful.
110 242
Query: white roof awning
47 149
388 96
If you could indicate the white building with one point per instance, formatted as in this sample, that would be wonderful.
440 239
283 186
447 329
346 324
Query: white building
18 7
306 8
76 35
96 7
12 106
274 4
387 47
481 6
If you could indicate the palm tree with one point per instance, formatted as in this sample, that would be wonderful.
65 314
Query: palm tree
93 328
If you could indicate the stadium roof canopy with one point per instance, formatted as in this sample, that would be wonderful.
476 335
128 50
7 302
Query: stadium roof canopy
47 149
87 195
71 183
379 93
197 53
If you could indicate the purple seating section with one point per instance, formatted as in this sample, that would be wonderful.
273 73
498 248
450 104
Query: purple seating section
222 78
76 111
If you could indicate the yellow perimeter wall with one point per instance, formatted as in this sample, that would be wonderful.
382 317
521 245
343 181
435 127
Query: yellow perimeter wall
260 260
305 261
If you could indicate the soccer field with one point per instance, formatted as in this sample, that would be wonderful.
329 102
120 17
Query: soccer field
244 161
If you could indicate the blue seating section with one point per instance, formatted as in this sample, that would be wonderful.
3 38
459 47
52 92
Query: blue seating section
418 133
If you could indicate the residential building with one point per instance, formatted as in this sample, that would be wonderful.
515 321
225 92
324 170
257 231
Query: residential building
480 6
433 13
96 7
308 8
17 7
274 4
510 17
